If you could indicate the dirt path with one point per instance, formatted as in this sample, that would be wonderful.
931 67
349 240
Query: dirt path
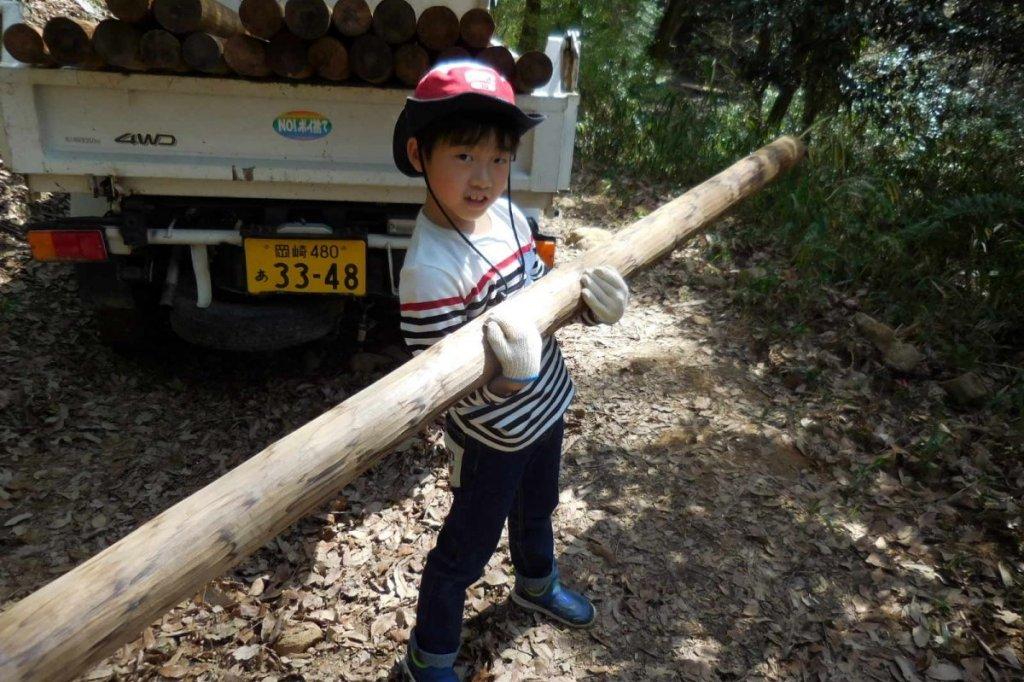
742 504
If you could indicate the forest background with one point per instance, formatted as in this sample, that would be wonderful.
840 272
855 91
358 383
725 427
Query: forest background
910 204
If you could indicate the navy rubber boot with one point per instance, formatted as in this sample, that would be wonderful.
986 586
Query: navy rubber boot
554 600
422 666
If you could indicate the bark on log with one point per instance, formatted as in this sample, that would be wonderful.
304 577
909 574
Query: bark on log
25 43
288 56
308 19
533 70
371 59
411 63
70 42
262 18
117 42
438 28
187 16
477 28
395 21
204 52
134 11
161 50
247 56
330 59
352 18
87 613
500 57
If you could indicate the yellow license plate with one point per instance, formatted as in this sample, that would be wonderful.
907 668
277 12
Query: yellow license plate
312 266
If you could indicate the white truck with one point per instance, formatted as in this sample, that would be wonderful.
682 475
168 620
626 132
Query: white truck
251 215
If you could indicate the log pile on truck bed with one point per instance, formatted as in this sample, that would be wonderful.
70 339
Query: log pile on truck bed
328 40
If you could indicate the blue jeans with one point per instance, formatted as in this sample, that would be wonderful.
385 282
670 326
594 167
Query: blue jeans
489 486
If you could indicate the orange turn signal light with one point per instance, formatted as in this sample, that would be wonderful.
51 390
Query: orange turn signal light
546 251
69 246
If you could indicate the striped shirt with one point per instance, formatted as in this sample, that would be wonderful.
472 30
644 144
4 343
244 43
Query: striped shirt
444 284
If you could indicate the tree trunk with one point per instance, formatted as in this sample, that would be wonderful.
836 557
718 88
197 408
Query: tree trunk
671 21
352 18
262 18
533 70
500 57
371 59
781 106
161 50
476 28
117 42
205 52
411 63
247 56
70 42
330 59
186 16
438 28
25 43
529 36
395 21
288 56
84 615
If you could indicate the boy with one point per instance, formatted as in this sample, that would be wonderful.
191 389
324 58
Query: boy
459 132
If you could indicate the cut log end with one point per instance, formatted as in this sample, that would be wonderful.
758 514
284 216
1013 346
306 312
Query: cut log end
371 59
288 56
262 18
411 63
117 42
204 52
307 19
70 42
161 50
438 28
247 56
477 28
352 18
395 21
329 57
533 70
500 58
25 43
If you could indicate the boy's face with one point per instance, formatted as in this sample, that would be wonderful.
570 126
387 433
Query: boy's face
467 179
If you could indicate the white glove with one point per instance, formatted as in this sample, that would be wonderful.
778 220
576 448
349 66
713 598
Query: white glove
605 293
516 342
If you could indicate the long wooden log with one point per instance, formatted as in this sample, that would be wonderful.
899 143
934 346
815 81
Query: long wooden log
247 56
501 58
161 50
25 43
87 613
395 21
438 28
262 18
118 42
204 52
477 28
133 11
371 59
70 42
187 16
308 19
352 18
454 53
329 57
288 56
411 63
533 70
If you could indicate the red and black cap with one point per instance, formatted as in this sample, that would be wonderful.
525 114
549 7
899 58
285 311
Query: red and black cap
452 87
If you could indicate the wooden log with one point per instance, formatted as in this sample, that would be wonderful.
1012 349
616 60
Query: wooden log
160 49
371 59
533 70
500 57
133 11
477 28
204 52
308 19
70 42
54 633
438 28
411 63
117 42
188 16
454 54
395 21
329 57
247 56
352 18
262 18
288 56
25 43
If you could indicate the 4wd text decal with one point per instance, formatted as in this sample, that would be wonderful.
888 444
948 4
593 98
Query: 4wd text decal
148 139
303 125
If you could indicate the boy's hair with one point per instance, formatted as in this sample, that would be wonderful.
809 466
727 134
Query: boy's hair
469 128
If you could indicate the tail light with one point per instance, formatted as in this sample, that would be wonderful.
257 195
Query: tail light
546 251
67 245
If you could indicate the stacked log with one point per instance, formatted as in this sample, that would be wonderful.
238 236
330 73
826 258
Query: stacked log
334 40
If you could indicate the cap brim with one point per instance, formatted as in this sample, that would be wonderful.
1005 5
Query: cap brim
418 114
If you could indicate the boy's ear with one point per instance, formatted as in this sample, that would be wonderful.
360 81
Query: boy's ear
412 149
